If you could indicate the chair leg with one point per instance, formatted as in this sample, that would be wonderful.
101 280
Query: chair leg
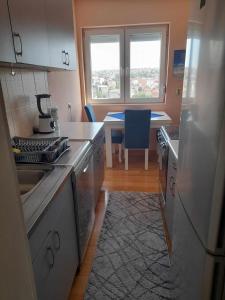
126 158
146 159
113 149
120 153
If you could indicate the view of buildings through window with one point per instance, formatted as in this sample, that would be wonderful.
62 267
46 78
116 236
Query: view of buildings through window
105 69
126 64
144 69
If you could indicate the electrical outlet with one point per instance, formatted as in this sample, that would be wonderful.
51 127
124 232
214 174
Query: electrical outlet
69 106
178 92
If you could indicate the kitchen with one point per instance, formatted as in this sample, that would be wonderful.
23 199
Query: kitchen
43 53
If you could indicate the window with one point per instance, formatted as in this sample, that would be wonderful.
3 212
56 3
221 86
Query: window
125 64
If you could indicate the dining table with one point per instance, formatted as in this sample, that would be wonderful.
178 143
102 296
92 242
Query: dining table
115 120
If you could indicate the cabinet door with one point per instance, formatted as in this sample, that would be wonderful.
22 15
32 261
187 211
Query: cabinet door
6 44
57 259
29 28
61 34
64 242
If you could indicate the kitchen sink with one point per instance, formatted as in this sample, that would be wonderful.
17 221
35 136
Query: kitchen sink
29 177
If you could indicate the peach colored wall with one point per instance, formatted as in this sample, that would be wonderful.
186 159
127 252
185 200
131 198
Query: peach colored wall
64 86
93 13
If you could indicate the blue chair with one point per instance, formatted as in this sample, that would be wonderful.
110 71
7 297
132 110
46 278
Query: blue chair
117 136
136 132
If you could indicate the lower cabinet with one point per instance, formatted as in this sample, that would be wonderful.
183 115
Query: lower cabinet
54 249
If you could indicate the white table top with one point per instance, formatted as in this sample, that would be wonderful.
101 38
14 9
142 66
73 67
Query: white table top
165 118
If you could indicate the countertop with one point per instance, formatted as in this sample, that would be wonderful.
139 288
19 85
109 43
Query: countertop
35 203
76 130
80 135
74 154
174 146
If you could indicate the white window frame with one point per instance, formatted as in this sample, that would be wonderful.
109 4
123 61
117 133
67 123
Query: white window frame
148 29
103 31
124 33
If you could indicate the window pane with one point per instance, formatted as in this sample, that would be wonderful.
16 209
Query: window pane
105 66
145 52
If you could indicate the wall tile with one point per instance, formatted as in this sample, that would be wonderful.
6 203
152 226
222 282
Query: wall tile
40 79
15 90
19 96
29 85
23 122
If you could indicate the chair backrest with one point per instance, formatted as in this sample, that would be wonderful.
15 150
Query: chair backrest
90 113
137 129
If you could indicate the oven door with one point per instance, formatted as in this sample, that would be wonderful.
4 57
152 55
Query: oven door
164 150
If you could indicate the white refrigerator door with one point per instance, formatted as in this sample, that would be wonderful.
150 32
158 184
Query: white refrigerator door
201 165
195 274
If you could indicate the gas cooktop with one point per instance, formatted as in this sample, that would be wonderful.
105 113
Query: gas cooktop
172 131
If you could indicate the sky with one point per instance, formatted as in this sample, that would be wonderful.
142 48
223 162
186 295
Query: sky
144 54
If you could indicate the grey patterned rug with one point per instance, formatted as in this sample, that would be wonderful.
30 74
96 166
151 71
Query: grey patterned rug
131 259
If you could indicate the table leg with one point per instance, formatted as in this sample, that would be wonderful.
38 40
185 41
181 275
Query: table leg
108 146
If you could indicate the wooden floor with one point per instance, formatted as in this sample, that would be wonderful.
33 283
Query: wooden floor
116 179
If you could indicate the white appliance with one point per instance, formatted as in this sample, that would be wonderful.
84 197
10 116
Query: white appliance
198 260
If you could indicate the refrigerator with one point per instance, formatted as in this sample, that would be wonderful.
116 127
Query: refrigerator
198 255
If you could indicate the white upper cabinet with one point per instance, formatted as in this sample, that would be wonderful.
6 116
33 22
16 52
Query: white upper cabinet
6 43
61 34
41 33
29 29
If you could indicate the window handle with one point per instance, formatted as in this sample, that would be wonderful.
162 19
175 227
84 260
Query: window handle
127 71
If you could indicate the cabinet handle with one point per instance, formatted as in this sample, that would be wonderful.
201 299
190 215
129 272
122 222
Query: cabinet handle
64 57
67 59
19 52
50 254
174 166
57 245
172 185
85 169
